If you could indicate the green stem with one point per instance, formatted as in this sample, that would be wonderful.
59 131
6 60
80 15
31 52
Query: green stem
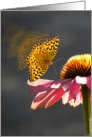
86 94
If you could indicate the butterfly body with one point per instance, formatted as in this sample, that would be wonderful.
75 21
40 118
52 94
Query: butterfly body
41 57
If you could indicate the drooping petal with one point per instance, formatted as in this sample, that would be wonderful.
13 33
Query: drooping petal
39 82
71 102
88 82
38 89
78 100
55 98
66 85
74 89
57 84
42 102
34 105
39 96
69 98
65 98
75 102
42 87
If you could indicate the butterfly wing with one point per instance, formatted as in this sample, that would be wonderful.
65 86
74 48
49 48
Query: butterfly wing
38 48
36 67
47 49
51 46
36 59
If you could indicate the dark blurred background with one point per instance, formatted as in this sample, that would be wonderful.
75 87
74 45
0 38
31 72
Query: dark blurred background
17 119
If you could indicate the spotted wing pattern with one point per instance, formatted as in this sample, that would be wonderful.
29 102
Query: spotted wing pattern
36 68
39 59
51 46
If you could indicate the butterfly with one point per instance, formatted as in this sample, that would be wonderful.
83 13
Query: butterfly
41 57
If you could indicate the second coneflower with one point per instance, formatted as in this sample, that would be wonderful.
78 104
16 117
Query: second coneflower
74 87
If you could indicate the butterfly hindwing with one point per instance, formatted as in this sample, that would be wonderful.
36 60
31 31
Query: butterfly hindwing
36 67
36 71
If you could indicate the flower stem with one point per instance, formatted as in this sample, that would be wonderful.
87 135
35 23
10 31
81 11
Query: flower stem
86 94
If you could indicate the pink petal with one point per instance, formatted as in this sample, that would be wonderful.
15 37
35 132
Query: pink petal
57 84
88 82
66 85
65 98
81 80
38 89
39 96
34 105
39 82
69 98
84 80
42 102
71 102
55 98
74 89
42 87
78 100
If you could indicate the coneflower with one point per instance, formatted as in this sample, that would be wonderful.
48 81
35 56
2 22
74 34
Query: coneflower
74 87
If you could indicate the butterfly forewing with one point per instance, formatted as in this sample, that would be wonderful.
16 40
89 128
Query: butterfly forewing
51 46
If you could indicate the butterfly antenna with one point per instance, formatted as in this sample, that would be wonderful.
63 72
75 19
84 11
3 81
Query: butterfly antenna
57 60
54 69
54 65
